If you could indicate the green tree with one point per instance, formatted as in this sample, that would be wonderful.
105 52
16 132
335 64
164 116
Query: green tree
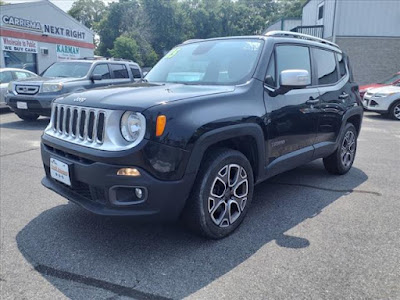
88 12
127 48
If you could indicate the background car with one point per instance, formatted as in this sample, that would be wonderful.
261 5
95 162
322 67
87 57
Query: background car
32 98
392 80
384 100
10 74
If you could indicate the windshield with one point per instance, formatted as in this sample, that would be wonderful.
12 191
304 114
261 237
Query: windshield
67 69
392 79
211 62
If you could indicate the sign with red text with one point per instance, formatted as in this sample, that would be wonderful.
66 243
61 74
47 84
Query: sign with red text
18 45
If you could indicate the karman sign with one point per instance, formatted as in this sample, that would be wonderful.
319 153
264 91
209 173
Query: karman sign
18 45
65 52
25 24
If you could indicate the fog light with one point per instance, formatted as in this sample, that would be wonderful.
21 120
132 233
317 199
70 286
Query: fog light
139 193
128 172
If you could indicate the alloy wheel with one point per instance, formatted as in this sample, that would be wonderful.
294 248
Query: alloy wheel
348 149
228 195
396 111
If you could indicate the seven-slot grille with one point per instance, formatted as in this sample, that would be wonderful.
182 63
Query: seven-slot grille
80 123
27 89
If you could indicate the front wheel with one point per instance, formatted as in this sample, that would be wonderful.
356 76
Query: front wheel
341 161
221 194
394 111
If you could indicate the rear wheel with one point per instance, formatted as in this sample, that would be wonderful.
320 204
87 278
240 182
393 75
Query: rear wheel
395 111
221 195
341 161
27 116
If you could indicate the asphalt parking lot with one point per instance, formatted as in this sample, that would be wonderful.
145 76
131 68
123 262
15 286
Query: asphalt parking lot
308 235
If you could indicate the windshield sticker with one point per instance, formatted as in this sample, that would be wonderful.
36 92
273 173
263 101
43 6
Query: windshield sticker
172 53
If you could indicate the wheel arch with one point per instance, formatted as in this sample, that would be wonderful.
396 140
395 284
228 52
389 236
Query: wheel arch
246 138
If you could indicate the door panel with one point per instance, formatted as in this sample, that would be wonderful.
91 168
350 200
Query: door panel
335 98
292 119
293 123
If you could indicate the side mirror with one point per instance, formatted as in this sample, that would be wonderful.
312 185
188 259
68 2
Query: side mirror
96 77
295 79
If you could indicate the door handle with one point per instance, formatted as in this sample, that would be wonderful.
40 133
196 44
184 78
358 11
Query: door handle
343 96
312 100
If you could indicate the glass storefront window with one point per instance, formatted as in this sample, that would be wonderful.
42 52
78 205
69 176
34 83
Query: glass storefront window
20 60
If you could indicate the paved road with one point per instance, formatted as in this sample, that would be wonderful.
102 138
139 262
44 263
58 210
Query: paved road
309 235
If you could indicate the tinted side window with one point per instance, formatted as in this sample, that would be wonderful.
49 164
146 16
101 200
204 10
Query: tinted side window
136 73
119 71
342 65
326 66
5 77
293 57
102 70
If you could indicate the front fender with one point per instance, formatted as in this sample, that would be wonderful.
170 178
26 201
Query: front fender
225 133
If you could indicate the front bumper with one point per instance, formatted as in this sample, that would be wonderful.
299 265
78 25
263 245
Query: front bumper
379 105
39 104
96 187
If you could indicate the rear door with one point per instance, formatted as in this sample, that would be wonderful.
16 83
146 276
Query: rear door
336 96
292 119
119 73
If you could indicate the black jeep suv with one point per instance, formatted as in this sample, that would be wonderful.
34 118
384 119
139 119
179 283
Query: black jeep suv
211 119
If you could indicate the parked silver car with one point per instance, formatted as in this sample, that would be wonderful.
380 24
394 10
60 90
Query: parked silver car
10 74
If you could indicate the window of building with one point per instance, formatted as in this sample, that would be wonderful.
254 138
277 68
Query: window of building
119 71
320 11
20 60
136 73
103 70
292 57
326 66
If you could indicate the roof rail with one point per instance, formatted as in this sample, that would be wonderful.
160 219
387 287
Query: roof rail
105 58
191 41
278 33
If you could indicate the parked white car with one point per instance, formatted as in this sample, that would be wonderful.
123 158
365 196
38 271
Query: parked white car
384 100
10 74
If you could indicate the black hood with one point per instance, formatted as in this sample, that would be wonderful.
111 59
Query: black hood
139 97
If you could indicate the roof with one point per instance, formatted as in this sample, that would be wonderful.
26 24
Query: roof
47 2
279 34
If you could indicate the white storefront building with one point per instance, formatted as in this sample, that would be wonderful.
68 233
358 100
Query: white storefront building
33 35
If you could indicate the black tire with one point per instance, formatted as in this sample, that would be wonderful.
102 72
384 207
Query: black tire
394 111
201 213
335 163
28 116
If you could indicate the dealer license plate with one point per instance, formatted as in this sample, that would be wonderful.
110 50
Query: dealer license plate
22 105
59 171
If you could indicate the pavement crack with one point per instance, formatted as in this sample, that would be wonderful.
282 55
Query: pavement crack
19 152
327 189
102 284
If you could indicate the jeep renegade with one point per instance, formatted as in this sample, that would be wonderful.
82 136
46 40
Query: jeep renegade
210 120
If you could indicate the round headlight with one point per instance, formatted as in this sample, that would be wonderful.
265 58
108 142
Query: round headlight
133 127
